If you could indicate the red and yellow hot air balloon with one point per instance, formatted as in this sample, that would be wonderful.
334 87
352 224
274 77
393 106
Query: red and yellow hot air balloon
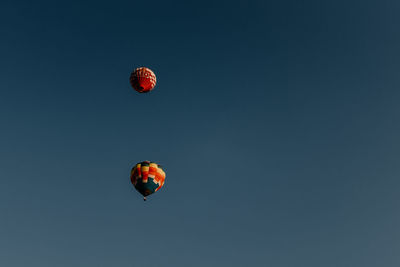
147 177
143 80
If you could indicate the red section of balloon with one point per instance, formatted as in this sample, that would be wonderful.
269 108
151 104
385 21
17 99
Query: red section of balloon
143 80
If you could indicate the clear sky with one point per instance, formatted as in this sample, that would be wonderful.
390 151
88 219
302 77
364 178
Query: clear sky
277 123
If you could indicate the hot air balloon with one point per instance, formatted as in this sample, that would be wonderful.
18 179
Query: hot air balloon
147 177
143 80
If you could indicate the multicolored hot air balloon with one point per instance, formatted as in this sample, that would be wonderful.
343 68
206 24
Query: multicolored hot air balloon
143 80
147 177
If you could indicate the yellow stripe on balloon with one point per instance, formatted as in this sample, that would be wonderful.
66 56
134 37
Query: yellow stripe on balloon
145 169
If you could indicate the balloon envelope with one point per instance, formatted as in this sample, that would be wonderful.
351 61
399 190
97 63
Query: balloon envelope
147 177
143 80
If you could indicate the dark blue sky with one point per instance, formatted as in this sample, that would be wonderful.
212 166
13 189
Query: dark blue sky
277 123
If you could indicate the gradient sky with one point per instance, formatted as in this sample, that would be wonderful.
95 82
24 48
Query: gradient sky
277 123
